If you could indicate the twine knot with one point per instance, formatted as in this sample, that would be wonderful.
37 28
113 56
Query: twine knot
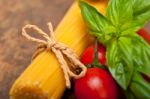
50 44
60 50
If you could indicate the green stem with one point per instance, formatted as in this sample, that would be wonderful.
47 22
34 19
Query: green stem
95 61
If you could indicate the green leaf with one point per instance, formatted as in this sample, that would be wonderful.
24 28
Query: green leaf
128 15
120 12
131 27
98 25
141 10
141 15
119 60
139 86
141 55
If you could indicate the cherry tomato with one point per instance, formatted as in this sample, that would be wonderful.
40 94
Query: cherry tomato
88 55
144 34
96 84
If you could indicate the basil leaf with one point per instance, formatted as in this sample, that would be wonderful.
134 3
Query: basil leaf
141 10
139 86
141 55
131 27
128 15
98 25
141 15
120 12
119 60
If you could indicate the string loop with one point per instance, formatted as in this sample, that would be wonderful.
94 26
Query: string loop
60 50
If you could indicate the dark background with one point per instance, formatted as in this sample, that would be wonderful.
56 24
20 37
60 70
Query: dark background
15 52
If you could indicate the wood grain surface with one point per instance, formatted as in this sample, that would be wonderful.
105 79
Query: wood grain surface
15 52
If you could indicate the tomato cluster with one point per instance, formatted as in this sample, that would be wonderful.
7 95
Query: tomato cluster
98 83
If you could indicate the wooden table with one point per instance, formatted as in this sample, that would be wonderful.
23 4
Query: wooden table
15 51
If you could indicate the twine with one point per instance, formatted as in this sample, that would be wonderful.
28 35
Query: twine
60 50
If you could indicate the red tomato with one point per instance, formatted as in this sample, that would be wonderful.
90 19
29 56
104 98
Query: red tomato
96 84
88 55
144 34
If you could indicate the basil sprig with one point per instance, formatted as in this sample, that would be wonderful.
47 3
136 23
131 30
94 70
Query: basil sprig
128 55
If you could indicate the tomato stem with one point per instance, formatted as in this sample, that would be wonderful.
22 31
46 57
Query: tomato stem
96 53
95 61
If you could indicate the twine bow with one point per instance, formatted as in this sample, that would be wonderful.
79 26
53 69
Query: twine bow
60 51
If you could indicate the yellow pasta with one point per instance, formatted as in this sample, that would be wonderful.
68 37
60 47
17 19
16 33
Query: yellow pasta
44 79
